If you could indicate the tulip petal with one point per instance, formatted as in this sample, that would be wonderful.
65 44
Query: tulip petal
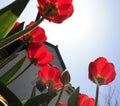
108 73
100 63
50 73
84 100
40 54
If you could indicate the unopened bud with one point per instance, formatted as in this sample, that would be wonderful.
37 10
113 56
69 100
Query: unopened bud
65 77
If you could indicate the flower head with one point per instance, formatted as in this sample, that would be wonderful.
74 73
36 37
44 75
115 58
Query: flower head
84 100
50 76
59 9
39 54
101 71
36 35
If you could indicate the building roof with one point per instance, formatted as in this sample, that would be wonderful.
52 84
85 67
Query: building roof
58 54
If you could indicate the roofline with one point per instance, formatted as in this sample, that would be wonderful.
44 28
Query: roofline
58 53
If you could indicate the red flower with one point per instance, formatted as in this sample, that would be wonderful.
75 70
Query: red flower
101 71
84 100
60 104
37 35
50 76
39 55
60 9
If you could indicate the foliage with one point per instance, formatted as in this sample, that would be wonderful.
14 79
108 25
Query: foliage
32 40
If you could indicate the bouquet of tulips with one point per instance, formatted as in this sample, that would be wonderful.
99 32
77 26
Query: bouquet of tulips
100 71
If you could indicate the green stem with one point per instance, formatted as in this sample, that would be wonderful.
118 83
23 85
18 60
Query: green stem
19 74
97 94
60 95
14 37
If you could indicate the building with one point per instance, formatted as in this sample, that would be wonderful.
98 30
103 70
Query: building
23 86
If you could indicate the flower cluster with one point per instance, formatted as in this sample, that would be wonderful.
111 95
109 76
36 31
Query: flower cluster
100 71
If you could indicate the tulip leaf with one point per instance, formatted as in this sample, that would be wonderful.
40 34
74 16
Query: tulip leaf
10 96
40 99
24 101
16 29
10 73
45 104
9 15
6 60
33 91
14 37
3 62
73 99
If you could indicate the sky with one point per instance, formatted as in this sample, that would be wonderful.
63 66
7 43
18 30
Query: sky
92 31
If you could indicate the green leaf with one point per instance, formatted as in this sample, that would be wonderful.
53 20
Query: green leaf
40 99
45 104
9 15
10 97
3 62
24 101
14 37
73 99
16 29
10 73
33 91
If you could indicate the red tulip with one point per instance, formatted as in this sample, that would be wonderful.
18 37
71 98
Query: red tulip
59 9
101 71
60 104
39 54
50 76
36 35
84 100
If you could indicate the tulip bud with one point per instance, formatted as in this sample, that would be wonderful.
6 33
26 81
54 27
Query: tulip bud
65 77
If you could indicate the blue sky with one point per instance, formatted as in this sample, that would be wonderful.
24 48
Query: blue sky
91 32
